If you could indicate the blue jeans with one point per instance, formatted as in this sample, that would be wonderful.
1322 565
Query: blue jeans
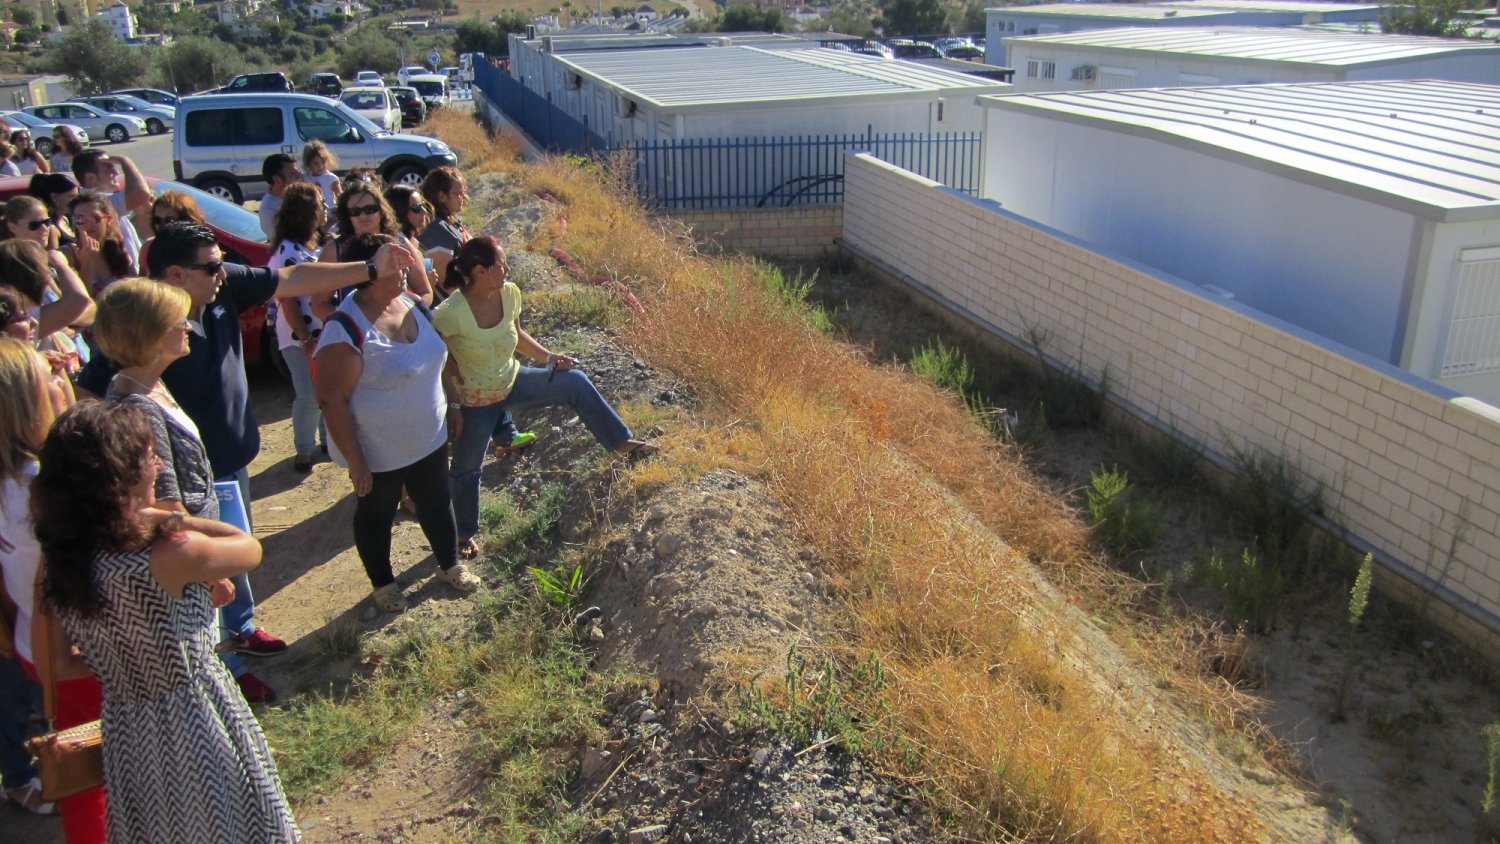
238 616
533 388
19 698
307 419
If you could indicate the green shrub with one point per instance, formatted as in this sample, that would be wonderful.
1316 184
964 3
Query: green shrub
1122 524
1251 590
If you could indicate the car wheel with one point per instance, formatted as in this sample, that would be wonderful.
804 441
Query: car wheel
221 188
406 175
45 147
155 126
116 133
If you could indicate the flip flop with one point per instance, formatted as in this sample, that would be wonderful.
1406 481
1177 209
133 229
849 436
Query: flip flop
638 450
468 549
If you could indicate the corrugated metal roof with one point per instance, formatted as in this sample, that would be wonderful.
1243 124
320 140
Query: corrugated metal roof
1428 146
1137 11
1301 6
719 75
1297 46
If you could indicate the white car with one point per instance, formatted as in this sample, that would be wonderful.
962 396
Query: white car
432 87
158 118
404 75
368 79
116 128
376 104
41 130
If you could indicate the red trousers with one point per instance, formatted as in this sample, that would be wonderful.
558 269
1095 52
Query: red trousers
79 702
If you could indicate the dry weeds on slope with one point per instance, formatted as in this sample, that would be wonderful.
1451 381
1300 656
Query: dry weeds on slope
990 699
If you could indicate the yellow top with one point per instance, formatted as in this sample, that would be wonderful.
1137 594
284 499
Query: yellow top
486 356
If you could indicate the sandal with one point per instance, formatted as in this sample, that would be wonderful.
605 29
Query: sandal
468 549
634 451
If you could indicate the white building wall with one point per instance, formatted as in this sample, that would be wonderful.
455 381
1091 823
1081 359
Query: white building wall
1433 301
1333 264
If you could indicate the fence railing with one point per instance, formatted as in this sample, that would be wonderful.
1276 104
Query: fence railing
738 172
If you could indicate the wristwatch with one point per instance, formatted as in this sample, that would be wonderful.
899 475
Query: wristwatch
370 268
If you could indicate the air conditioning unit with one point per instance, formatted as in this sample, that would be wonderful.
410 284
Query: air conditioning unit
627 108
1084 72
546 43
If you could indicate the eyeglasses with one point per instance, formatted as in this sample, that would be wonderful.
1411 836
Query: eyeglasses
363 210
210 267
34 225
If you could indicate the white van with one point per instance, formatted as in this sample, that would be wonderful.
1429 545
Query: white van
433 88
223 139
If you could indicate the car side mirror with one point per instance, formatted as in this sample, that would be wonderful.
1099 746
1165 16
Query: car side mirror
353 136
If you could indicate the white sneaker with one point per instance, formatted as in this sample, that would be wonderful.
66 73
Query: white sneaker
29 797
459 578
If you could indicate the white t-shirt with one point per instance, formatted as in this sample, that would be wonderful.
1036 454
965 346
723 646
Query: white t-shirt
269 205
325 184
128 234
19 552
290 254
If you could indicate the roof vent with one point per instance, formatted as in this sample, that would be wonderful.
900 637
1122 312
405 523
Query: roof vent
546 43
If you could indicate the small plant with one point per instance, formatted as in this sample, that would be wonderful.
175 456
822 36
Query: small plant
793 292
1121 523
1251 590
818 702
1359 599
586 306
1492 754
560 587
944 366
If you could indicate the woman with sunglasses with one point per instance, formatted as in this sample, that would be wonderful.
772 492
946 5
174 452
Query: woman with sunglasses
27 158
413 214
171 207
26 219
56 190
66 143
100 252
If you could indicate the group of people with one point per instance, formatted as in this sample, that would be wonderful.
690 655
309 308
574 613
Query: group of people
401 334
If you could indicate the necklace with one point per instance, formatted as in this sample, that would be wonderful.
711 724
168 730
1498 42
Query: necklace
157 390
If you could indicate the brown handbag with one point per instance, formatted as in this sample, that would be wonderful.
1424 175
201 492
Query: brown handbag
72 760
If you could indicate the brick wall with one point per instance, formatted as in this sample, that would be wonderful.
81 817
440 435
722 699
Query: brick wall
772 232
1406 462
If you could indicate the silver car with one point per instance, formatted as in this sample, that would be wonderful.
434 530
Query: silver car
158 118
41 130
116 128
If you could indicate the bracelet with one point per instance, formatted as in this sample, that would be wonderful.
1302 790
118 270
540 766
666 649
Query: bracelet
453 405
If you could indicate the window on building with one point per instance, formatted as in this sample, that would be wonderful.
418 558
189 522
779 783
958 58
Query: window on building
1473 343
1049 70
1029 31
1031 68
1010 26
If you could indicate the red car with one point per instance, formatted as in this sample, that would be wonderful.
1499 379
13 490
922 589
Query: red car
239 235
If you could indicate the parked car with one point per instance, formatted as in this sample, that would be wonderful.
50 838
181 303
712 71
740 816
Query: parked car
433 88
964 52
455 76
369 79
326 84
158 118
875 48
41 130
223 140
249 83
413 110
404 75
903 48
377 104
155 96
116 128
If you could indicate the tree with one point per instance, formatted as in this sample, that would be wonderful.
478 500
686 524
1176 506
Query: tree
914 17
849 22
94 60
23 15
368 49
1426 17
741 18
476 36
196 62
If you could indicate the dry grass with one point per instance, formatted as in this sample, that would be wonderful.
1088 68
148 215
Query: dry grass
994 700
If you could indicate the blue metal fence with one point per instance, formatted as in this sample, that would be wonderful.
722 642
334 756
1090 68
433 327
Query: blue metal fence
739 172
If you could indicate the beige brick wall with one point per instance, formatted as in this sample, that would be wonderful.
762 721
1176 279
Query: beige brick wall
1406 461
771 232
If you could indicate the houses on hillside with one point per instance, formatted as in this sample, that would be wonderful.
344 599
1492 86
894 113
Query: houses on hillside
1367 212
1143 57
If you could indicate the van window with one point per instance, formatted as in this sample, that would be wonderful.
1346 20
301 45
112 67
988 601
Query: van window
213 127
323 125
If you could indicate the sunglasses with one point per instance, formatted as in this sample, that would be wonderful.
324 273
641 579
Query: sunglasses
363 210
420 208
211 267
33 225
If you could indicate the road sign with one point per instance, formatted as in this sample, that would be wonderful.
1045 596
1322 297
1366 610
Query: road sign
433 58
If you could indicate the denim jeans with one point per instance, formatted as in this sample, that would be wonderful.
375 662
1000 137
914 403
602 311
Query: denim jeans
19 698
307 418
533 388
238 616
375 513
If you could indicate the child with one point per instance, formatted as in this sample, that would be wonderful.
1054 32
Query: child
318 163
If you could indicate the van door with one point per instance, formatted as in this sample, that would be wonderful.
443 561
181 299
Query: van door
262 132
343 139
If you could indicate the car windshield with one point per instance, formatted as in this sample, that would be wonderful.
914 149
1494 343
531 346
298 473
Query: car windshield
364 123
427 88
365 100
222 215
405 94
28 119
137 103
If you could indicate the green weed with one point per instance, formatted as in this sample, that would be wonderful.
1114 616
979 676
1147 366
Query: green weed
944 366
510 532
1492 757
1122 524
1160 458
561 586
1251 590
586 305
793 291
818 703
1359 599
